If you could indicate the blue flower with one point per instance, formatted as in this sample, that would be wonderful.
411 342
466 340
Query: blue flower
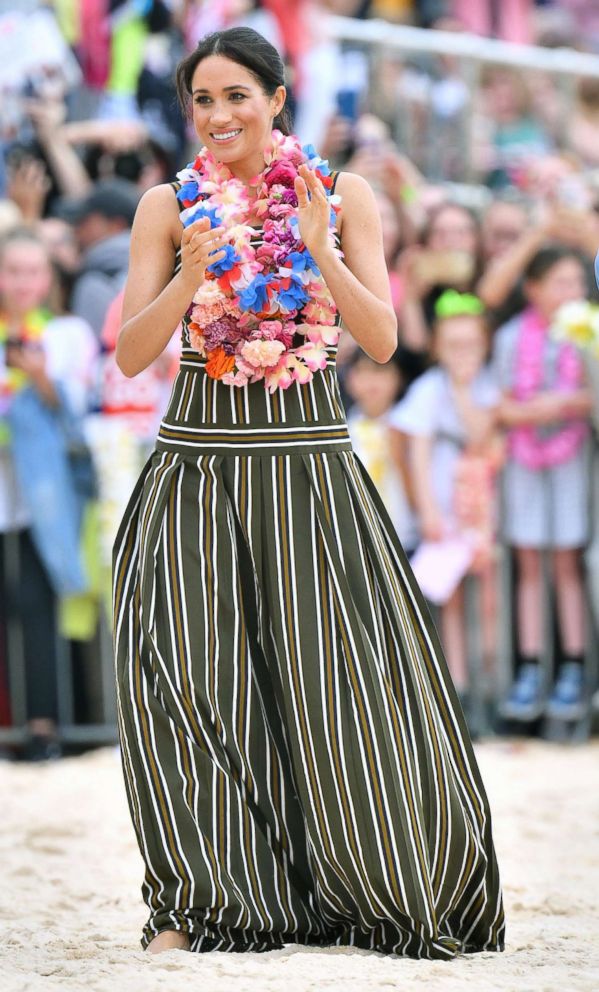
188 191
295 296
302 260
255 296
315 161
201 211
224 264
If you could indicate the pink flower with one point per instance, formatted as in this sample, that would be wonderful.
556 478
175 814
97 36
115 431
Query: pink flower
300 371
321 334
196 340
269 330
281 210
235 378
262 353
291 149
317 313
283 173
314 357
279 377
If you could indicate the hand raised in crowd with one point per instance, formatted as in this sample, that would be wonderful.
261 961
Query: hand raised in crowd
31 360
201 245
47 117
28 186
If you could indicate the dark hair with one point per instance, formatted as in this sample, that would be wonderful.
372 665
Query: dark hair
440 208
249 49
544 260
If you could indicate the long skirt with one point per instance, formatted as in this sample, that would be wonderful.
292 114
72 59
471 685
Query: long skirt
297 765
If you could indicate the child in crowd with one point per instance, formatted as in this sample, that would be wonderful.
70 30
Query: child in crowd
449 416
545 406
374 390
46 370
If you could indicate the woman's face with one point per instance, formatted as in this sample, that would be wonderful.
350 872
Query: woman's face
25 276
504 223
461 346
565 282
232 114
453 229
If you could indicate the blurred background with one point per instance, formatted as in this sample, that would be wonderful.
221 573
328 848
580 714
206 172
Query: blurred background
477 125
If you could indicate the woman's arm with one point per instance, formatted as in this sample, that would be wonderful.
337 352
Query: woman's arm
360 287
478 422
155 301
431 519
546 408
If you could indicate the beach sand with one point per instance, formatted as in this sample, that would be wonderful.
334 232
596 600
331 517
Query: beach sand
71 910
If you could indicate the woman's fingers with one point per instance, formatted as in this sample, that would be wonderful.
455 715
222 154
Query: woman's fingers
301 191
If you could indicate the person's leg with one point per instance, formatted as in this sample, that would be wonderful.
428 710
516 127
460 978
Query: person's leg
529 602
567 700
524 700
453 635
569 587
37 607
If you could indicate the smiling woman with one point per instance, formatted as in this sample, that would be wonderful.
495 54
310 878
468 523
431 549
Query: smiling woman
297 764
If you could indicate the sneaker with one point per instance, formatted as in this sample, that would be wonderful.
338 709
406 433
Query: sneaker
525 699
567 700
41 747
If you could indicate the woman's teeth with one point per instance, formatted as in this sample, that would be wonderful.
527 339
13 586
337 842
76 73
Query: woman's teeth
226 136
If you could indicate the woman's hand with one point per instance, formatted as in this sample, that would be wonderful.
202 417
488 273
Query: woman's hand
198 243
313 211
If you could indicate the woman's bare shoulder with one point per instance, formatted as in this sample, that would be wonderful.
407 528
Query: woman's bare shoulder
158 211
357 197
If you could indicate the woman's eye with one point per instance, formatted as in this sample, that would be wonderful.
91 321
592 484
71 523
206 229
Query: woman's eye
234 95
202 99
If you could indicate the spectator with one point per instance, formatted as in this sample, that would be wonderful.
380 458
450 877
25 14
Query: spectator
583 131
449 416
46 368
503 224
375 389
545 408
102 222
448 257
508 134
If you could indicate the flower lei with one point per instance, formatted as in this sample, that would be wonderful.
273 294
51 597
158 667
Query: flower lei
244 316
525 442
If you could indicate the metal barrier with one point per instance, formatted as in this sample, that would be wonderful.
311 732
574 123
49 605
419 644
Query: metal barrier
425 141
102 729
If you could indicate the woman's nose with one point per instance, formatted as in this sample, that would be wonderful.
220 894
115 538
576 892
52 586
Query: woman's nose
220 113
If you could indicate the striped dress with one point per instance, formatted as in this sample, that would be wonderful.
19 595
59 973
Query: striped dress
296 762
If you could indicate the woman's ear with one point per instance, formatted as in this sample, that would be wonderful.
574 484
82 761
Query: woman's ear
279 97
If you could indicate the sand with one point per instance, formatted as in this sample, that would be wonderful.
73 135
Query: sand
71 911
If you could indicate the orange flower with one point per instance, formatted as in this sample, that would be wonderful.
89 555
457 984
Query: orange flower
219 363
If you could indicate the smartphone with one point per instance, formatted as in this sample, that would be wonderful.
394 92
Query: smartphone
12 347
348 105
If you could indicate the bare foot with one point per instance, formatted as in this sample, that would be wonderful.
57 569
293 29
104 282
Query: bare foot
166 940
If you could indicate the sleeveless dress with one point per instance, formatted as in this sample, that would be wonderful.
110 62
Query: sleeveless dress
296 762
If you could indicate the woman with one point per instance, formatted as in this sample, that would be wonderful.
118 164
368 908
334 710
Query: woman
297 765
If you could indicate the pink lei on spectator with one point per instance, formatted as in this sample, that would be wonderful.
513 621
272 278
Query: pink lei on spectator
526 445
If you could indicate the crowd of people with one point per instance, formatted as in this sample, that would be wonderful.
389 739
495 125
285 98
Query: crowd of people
479 433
